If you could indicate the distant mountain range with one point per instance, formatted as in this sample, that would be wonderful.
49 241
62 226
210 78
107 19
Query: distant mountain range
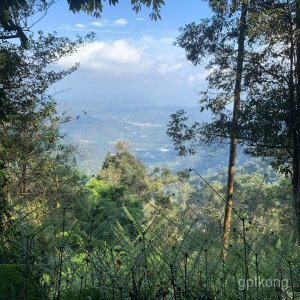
145 130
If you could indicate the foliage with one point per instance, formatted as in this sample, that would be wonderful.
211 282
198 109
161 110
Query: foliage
124 170
266 122
264 119
128 234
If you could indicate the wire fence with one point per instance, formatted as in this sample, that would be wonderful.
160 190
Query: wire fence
167 254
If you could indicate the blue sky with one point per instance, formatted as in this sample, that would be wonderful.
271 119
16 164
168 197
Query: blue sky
132 60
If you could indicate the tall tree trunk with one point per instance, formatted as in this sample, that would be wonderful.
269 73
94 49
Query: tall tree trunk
4 211
295 118
2 195
235 121
2 166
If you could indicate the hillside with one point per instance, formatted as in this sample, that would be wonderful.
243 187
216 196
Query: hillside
145 129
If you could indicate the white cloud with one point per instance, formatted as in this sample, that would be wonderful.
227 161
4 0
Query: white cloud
66 27
104 22
98 24
147 39
141 19
148 59
79 25
168 41
169 68
116 57
199 77
120 22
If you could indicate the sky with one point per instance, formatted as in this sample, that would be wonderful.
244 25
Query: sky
132 62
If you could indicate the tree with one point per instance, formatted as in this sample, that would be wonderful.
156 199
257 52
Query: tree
235 120
118 194
29 124
269 111
124 170
295 124
270 126
209 39
43 194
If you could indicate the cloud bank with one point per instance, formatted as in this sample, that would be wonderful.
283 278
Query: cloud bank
146 57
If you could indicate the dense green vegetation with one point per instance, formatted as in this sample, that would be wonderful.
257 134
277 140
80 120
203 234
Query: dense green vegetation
127 233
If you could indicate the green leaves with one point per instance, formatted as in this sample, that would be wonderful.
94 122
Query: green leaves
155 4
8 9
185 136
267 106
125 170
12 281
